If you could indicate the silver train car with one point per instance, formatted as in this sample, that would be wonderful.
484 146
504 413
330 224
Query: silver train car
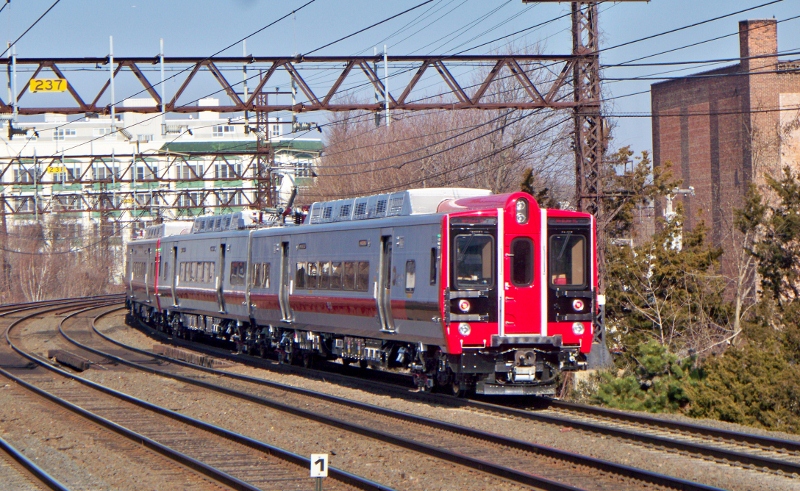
467 290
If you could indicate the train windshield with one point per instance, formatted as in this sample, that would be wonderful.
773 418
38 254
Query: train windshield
474 261
567 260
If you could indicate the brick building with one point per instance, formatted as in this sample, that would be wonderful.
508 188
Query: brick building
725 128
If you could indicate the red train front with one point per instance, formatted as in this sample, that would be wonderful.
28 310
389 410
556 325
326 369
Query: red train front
519 300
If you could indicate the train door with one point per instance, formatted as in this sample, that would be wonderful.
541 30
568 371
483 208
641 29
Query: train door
157 271
148 265
175 271
130 272
283 289
221 278
384 297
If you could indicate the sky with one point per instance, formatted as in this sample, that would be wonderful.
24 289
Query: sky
77 28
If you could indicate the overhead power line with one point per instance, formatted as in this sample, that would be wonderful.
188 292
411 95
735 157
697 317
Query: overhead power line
370 27
29 28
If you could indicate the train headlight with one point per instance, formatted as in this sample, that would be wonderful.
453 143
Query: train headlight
464 305
577 328
464 329
522 211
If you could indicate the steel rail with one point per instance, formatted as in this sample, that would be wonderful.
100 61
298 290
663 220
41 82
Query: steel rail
335 473
708 451
591 462
696 429
34 469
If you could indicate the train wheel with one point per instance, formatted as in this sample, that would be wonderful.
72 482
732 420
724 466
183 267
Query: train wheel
346 362
457 389
363 364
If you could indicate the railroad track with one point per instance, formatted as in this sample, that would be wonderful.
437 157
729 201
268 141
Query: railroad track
455 443
20 473
231 461
778 456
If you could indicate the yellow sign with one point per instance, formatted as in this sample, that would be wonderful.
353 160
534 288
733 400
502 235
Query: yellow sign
48 85
56 170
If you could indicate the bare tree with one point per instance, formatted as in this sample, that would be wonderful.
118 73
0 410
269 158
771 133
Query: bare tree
482 149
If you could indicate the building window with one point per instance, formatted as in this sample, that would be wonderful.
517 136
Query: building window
303 169
63 133
228 170
104 133
221 130
23 176
190 200
188 170
146 172
103 171
275 130
68 202
229 198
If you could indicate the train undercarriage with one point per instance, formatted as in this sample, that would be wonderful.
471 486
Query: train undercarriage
507 370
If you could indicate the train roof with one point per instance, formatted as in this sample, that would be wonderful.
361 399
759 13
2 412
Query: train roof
402 203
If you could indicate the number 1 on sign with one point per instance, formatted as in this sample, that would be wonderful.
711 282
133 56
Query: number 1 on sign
319 465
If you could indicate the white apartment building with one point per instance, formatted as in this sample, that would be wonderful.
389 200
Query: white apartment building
127 172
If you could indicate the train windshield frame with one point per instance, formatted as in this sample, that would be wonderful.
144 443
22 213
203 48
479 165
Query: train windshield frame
473 261
568 261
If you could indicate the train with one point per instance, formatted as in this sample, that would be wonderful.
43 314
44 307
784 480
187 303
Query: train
468 291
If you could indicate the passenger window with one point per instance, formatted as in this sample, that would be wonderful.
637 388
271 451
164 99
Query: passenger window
522 261
336 276
237 273
265 278
349 276
362 279
312 281
434 265
300 277
411 276
567 260
255 275
182 272
324 276
193 272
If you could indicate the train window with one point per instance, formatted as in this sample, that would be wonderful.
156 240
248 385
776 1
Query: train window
237 273
300 277
165 271
349 282
362 278
312 280
256 274
336 276
265 275
434 265
474 260
193 272
328 212
411 276
324 276
182 271
567 260
522 261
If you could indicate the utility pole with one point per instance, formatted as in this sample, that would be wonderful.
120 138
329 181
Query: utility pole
590 145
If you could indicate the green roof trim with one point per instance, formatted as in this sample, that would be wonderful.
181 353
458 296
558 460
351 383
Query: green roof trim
240 146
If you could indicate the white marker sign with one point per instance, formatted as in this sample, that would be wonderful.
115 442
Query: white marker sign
319 465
